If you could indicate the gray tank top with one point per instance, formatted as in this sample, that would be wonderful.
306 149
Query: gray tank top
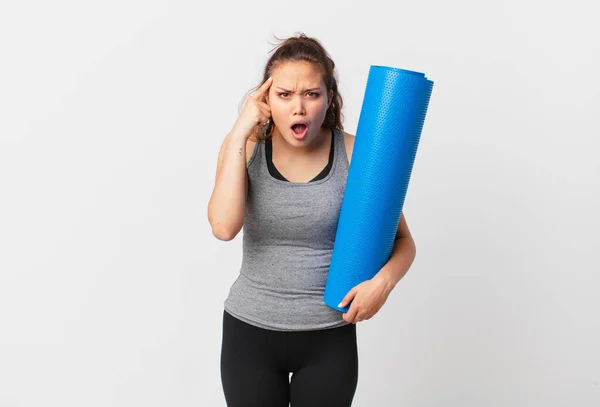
288 235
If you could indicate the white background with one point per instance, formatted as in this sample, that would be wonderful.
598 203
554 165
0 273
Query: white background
111 117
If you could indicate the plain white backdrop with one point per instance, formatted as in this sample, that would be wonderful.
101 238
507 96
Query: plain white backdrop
111 117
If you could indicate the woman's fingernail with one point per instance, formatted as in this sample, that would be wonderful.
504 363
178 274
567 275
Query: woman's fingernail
340 305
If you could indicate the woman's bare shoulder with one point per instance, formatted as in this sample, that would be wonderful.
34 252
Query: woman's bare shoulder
349 142
249 149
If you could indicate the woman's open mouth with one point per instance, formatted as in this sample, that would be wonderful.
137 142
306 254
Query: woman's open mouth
299 131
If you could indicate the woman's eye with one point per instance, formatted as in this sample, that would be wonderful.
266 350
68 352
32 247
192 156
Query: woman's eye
314 94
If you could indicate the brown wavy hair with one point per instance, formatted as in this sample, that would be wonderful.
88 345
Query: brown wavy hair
302 48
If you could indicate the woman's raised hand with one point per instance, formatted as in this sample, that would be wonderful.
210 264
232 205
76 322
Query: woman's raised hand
255 111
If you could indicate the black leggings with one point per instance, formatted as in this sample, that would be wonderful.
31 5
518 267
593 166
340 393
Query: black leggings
256 362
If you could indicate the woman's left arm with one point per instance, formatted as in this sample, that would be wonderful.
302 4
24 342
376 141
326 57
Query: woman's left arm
402 257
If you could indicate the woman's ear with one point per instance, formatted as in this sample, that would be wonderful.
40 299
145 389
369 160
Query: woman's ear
330 98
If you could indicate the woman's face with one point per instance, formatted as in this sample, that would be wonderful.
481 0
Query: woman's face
298 94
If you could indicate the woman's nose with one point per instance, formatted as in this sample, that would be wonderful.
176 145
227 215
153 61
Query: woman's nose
298 106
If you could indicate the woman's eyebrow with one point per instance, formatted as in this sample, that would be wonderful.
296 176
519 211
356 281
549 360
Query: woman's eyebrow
305 90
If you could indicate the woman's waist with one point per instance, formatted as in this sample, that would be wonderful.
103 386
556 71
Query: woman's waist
283 282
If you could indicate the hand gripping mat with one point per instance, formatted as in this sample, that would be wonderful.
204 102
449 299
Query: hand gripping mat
389 128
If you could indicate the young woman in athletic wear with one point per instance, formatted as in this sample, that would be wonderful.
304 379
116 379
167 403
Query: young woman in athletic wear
281 174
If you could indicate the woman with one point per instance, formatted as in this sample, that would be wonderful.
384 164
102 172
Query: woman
281 175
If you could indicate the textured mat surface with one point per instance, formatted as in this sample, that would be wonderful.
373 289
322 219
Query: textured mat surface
389 128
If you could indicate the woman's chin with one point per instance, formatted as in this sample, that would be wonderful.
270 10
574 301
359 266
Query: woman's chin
298 140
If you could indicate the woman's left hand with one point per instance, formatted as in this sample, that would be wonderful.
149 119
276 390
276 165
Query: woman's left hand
367 299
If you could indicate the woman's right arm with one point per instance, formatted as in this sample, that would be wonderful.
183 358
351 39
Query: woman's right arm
227 204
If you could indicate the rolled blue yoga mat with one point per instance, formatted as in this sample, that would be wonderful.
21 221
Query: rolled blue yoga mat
389 128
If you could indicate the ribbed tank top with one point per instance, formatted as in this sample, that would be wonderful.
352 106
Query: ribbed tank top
288 236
